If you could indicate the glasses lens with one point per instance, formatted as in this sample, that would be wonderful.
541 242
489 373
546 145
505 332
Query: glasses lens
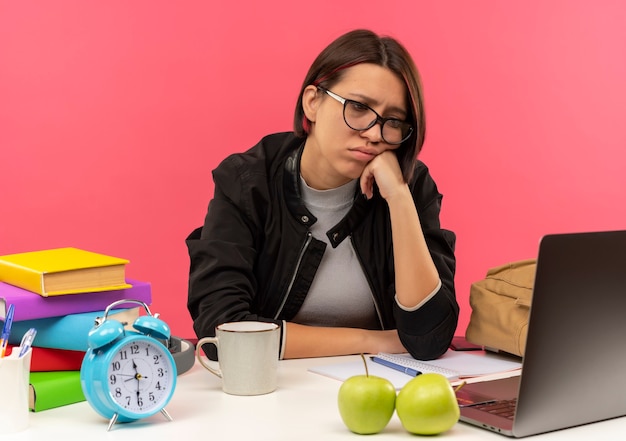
360 117
396 132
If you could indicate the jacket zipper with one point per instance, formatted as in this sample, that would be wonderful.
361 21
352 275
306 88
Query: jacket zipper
369 282
309 237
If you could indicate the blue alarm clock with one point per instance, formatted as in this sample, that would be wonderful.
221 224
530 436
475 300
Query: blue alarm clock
128 375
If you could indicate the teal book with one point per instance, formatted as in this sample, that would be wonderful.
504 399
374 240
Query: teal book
69 331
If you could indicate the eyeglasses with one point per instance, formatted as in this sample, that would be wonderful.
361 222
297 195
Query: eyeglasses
359 116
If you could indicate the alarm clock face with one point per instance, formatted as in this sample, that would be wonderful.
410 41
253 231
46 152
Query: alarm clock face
141 376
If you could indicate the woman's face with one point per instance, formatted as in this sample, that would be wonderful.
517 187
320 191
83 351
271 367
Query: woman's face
335 154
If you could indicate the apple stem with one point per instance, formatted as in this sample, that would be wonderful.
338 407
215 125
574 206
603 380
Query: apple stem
367 373
456 389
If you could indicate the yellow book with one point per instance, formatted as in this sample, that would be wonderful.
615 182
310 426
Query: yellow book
62 271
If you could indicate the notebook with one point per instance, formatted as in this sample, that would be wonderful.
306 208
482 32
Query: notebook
573 368
453 365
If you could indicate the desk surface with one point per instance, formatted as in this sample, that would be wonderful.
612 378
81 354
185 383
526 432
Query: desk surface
303 408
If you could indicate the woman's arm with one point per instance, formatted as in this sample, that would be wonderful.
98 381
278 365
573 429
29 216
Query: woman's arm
311 341
426 311
415 272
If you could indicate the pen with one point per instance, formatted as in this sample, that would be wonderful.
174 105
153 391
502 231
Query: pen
397 367
27 341
6 329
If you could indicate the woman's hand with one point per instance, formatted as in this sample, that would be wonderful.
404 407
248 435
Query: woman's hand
386 341
385 170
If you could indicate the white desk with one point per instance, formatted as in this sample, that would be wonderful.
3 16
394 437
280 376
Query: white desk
303 408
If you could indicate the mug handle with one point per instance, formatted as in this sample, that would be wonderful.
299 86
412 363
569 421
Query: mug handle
203 341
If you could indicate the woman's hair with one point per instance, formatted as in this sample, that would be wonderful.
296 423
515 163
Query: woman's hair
364 46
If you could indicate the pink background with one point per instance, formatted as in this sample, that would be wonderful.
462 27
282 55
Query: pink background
113 114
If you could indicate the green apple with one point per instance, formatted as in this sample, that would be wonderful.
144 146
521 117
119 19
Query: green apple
366 403
427 405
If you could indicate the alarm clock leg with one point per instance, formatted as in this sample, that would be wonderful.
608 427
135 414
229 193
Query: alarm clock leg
113 420
166 415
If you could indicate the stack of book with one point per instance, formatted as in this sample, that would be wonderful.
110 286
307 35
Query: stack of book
60 292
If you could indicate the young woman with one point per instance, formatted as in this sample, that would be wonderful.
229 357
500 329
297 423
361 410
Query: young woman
333 231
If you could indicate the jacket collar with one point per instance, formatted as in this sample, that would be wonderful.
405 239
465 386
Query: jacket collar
295 204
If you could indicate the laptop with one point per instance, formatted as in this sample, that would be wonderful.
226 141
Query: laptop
575 358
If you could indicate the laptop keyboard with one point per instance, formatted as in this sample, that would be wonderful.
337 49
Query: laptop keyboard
503 408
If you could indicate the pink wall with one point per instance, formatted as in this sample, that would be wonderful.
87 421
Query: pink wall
112 115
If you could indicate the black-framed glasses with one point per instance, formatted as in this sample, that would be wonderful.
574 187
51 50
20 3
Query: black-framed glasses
359 116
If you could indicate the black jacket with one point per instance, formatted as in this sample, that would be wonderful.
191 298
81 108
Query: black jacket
254 258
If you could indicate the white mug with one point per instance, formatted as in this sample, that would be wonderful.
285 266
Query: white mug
248 356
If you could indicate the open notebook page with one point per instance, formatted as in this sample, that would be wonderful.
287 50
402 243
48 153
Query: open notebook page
463 365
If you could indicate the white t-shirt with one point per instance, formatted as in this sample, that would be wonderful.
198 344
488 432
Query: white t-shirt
340 294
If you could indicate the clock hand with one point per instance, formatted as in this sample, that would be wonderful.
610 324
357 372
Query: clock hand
132 376
138 377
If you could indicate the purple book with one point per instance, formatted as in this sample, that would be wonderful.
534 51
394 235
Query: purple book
29 305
